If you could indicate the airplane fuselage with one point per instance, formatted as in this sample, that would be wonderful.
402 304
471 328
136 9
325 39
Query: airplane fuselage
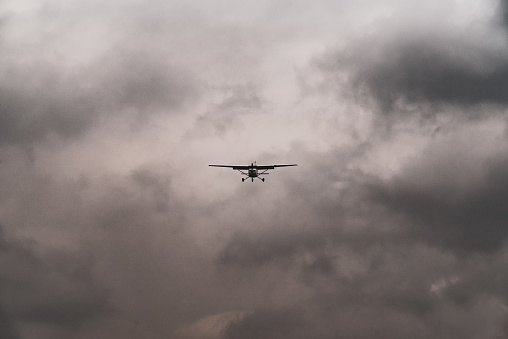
253 172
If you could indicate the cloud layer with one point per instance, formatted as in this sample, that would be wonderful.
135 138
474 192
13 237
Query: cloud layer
392 225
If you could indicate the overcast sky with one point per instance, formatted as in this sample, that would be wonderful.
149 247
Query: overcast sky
393 225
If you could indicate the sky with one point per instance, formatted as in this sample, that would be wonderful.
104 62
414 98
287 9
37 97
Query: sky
393 225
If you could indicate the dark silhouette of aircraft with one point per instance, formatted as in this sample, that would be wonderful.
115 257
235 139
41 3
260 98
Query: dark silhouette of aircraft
253 171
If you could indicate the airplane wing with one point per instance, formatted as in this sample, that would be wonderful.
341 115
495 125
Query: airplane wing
233 167
273 166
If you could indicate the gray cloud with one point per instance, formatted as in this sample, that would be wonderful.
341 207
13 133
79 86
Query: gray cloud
445 214
369 250
235 101
7 329
56 289
271 324
503 9
312 216
117 228
40 98
431 70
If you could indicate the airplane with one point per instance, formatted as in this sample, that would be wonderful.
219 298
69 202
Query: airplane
253 171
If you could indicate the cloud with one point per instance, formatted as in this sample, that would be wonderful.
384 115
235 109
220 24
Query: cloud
116 227
455 208
270 324
41 100
115 254
417 73
210 327
54 288
503 9
233 102
356 248
42 97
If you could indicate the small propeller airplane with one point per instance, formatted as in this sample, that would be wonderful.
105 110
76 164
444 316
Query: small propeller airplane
253 171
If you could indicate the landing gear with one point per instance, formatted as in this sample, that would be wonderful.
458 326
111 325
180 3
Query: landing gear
252 179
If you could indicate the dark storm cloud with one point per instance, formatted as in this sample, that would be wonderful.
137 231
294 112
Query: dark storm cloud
7 330
503 9
251 249
428 69
445 215
330 211
42 99
133 269
142 82
392 298
287 323
7 323
56 289
344 246
376 261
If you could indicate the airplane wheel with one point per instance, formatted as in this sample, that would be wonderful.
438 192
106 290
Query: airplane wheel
263 180
243 179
